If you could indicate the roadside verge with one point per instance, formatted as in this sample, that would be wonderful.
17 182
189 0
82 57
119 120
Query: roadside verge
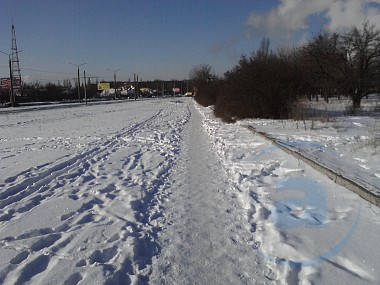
370 196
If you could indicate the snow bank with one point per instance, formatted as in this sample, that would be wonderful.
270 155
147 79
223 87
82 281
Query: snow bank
311 230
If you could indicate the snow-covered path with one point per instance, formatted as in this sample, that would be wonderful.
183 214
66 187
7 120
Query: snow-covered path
203 244
160 192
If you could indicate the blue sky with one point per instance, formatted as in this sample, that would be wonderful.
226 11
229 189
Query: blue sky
157 39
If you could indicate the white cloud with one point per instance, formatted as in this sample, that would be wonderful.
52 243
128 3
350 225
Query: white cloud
293 16
27 78
345 14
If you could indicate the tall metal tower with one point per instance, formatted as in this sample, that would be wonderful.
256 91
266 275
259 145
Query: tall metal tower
16 71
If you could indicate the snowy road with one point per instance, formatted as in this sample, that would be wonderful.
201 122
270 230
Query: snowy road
158 192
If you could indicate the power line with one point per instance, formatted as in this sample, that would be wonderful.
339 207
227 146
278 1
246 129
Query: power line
54 72
57 72
46 71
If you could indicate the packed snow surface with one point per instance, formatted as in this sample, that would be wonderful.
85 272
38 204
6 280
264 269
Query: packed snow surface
160 192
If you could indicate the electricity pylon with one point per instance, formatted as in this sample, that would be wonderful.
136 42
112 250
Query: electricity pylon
16 71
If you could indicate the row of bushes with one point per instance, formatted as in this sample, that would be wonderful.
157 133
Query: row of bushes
266 85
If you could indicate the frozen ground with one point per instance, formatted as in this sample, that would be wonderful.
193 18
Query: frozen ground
160 192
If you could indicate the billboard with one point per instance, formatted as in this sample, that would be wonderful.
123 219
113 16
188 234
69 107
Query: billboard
103 86
5 83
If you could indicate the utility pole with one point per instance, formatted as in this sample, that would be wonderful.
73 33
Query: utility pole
114 79
77 65
85 86
137 87
134 85
12 97
78 86
114 84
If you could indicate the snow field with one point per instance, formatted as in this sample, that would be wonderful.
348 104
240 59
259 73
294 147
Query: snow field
92 215
161 192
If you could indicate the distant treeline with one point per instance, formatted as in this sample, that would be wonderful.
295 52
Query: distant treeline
55 92
268 84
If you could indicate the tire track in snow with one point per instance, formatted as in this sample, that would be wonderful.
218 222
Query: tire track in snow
30 181
123 215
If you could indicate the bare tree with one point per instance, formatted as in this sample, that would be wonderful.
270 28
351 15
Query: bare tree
263 51
349 61
363 56
200 74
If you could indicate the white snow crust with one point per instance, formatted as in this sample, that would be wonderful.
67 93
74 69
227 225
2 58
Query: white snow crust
159 191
